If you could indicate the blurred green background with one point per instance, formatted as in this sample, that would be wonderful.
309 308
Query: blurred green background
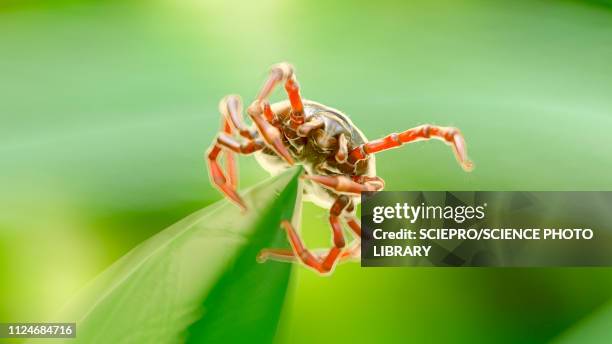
107 107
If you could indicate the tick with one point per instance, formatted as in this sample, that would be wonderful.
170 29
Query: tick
337 158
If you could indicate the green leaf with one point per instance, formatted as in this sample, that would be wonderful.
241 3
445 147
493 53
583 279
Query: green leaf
594 328
198 280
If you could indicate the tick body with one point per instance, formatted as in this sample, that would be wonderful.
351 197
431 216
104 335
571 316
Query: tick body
338 160
315 147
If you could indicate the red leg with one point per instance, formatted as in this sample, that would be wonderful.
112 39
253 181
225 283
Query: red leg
323 263
293 92
232 145
261 112
451 136
334 219
298 247
355 226
218 178
351 252
347 185
230 162
227 185
231 108
271 135
279 73
287 255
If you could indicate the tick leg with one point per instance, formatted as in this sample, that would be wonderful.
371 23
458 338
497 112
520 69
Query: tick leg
352 251
279 254
265 123
230 162
228 145
218 178
287 255
324 263
270 134
233 145
347 185
299 250
231 108
450 135
355 226
334 219
278 73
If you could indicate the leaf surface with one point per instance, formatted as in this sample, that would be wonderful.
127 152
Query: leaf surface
197 280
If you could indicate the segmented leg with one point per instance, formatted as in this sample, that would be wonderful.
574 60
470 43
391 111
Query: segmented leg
355 226
334 219
271 135
353 250
321 263
230 107
451 136
265 119
347 185
279 254
233 145
218 177
230 161
279 73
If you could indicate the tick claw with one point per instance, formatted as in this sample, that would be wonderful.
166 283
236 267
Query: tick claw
467 166
262 257
460 152
235 198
